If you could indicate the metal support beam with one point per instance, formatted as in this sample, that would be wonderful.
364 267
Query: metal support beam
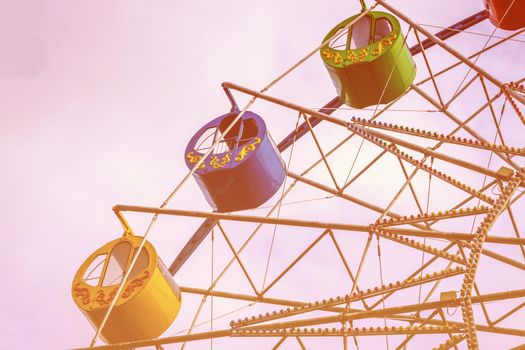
391 311
227 332
453 236
192 244
258 299
452 30
161 341
303 128
383 136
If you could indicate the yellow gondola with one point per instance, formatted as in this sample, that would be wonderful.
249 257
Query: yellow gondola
149 302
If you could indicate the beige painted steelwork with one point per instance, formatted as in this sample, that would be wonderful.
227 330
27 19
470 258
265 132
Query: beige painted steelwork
460 251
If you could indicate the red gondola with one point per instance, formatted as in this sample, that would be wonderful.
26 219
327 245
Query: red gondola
506 14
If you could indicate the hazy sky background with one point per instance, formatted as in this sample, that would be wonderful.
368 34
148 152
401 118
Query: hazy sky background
97 102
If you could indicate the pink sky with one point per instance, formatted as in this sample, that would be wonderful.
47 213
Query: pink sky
97 102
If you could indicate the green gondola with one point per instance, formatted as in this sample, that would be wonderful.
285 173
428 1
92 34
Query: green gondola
373 64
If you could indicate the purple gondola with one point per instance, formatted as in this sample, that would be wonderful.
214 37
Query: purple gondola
244 170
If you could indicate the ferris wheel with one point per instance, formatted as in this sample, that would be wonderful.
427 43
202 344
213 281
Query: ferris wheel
391 217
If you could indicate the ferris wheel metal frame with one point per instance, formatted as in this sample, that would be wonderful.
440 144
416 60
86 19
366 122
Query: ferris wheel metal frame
470 246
